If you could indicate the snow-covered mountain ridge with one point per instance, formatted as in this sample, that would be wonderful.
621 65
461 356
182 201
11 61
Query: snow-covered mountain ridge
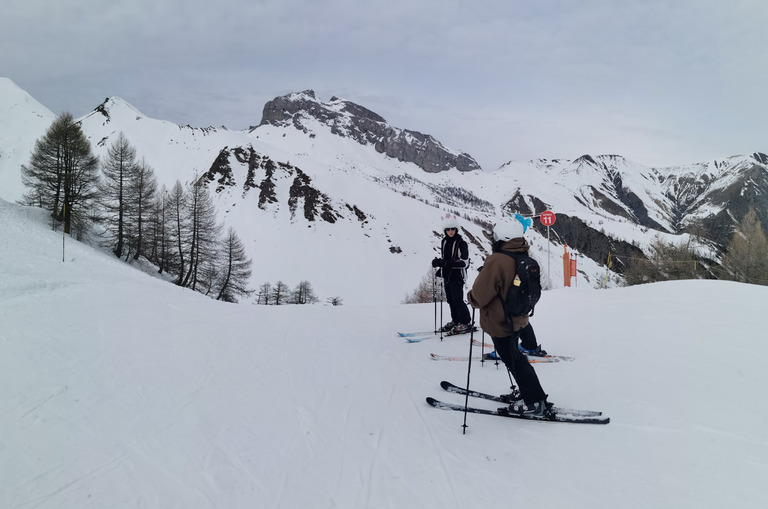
319 174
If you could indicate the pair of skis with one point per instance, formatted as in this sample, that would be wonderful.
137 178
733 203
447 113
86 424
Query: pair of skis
555 414
413 337
493 356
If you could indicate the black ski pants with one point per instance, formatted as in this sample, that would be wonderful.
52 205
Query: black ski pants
528 337
522 371
454 295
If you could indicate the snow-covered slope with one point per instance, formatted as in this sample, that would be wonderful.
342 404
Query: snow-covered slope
123 391
22 121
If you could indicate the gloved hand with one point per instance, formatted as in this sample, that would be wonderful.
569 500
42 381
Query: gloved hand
437 262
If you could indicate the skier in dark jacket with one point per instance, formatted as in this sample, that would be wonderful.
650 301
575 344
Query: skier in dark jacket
453 264
487 294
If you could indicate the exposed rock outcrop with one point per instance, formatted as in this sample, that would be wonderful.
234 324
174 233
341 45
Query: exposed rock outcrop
347 119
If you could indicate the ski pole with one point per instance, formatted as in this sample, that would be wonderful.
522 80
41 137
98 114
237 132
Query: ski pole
442 297
434 295
469 370
509 372
482 345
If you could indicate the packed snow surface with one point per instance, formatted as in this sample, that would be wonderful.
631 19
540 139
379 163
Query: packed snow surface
122 391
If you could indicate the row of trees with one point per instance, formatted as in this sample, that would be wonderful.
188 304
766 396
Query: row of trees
174 229
280 293
745 259
429 289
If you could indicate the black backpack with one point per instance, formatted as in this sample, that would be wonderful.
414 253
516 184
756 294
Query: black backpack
522 298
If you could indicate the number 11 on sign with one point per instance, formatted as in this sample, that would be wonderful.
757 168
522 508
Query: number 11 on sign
547 218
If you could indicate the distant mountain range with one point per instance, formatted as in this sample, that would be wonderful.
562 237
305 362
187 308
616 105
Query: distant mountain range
331 193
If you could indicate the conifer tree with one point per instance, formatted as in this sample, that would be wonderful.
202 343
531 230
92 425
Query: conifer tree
235 269
280 293
142 190
62 174
304 294
177 204
118 169
265 293
203 232
159 231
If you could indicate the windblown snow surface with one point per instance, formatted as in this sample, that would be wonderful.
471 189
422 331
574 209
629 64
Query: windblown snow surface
120 390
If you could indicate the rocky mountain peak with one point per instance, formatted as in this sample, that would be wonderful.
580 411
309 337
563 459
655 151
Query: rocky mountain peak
350 120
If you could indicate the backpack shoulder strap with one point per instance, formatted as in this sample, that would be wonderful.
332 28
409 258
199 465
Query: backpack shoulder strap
515 256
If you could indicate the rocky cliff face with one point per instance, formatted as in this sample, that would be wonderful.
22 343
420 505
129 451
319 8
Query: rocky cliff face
694 199
351 120
709 199
706 200
244 168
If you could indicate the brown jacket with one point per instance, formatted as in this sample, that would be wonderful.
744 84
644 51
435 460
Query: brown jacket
491 287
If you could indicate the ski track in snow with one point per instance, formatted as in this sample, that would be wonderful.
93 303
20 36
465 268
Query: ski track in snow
437 449
377 451
113 463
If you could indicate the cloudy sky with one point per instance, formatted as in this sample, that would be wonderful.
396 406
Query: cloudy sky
660 82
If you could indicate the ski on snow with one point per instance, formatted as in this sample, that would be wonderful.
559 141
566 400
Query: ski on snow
492 356
412 334
551 417
545 356
474 341
455 389
417 337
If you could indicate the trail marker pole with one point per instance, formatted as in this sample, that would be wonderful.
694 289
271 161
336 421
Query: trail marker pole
548 218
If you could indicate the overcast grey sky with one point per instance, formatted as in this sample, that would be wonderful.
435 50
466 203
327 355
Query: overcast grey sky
660 82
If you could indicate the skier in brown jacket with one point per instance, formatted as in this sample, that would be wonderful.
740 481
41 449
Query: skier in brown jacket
487 294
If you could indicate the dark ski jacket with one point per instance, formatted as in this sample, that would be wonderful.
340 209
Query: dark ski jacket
455 251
